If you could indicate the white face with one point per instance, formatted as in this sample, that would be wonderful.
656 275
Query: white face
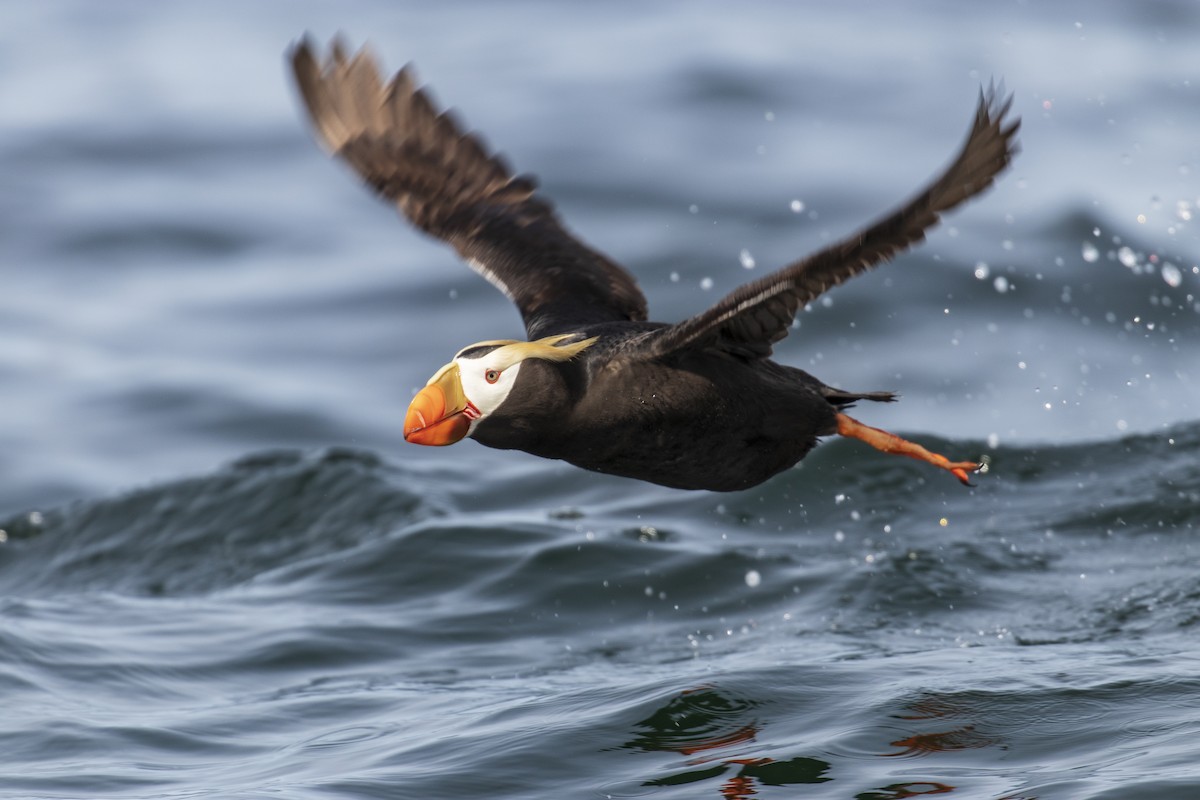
486 381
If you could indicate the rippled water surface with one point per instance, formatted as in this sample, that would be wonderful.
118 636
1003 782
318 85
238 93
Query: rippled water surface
224 574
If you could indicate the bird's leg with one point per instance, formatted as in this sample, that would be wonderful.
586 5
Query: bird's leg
891 443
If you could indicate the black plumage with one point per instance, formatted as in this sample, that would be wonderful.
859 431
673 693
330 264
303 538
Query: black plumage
694 405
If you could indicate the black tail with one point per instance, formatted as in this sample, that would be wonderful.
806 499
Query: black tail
843 399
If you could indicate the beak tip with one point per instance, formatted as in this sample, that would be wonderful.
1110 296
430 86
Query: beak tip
430 422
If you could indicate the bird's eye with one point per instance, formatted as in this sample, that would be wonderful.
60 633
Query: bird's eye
492 375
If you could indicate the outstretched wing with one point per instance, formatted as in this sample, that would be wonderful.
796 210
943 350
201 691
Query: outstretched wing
755 316
443 180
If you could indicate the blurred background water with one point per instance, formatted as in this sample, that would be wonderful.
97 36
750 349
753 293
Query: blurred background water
224 574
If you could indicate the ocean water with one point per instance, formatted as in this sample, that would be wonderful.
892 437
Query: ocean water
224 574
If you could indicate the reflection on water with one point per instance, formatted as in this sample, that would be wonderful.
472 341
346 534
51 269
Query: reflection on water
696 720
718 731
965 738
899 791
707 720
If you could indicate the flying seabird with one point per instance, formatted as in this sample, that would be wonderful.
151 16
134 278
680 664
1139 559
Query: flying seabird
697 404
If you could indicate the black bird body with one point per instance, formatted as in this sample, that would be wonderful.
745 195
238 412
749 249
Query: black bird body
694 405
692 420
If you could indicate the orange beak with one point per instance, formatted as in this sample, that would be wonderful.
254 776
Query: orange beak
440 414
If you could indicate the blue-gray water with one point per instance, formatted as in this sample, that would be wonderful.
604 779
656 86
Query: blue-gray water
224 574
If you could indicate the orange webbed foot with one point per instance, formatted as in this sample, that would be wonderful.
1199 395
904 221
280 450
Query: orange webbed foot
891 443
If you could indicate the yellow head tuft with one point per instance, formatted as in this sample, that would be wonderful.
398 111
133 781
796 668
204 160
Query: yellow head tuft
506 352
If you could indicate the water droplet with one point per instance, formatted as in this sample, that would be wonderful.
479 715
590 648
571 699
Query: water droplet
746 259
797 206
1127 257
753 578
706 283
647 533
1001 284
993 441
981 270
1171 274
1089 252
674 277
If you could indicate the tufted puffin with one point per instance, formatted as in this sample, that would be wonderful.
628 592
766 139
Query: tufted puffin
697 404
